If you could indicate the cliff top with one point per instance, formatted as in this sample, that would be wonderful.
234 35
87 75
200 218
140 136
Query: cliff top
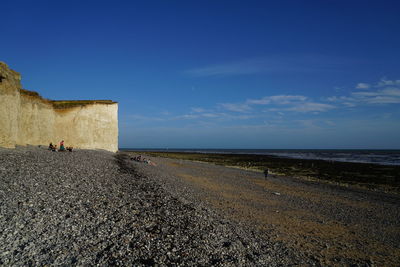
7 73
63 104
9 77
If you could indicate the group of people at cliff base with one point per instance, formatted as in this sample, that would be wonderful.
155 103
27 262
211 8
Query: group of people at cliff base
62 147
144 160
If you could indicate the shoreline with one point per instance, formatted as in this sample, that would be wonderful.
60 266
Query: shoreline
288 153
384 178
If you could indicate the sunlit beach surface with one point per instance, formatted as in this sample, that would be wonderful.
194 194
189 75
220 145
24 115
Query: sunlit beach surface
101 208
337 213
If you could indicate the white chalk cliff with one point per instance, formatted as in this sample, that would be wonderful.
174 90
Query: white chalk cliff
28 119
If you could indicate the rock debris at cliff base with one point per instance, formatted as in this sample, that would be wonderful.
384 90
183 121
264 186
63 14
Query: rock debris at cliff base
92 208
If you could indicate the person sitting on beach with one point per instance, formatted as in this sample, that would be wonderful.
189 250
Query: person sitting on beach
54 149
137 158
62 148
51 146
153 164
69 148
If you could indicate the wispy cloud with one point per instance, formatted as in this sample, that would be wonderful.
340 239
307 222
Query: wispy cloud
311 107
363 86
385 96
279 103
138 117
277 111
344 100
288 63
385 82
186 117
198 110
277 99
235 68
383 92
236 107
216 116
197 116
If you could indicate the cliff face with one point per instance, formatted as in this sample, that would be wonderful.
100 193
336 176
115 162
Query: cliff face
9 105
28 119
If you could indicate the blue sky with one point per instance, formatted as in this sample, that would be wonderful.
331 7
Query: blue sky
219 74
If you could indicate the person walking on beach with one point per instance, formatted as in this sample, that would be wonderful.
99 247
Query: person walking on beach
266 173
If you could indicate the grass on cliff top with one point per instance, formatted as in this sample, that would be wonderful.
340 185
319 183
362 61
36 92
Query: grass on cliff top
30 93
60 104
373 176
63 104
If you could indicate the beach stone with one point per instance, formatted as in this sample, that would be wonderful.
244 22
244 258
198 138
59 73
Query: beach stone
94 208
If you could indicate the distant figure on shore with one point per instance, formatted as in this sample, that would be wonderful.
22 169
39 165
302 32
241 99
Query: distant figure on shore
52 147
144 160
69 148
137 158
266 173
62 148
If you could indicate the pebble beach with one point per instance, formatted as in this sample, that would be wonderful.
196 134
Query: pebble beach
101 208
93 208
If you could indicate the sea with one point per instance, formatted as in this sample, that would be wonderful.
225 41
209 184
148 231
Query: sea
382 157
